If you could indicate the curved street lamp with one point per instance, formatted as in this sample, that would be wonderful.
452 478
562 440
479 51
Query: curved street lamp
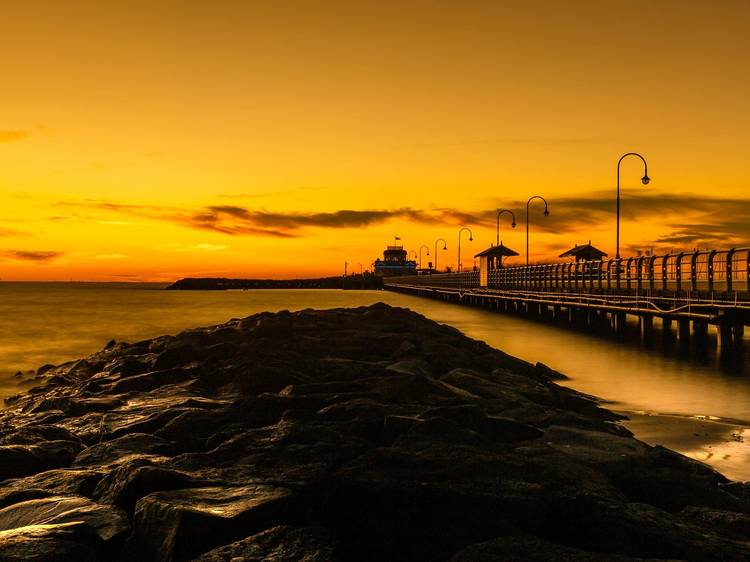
420 254
445 247
512 224
360 268
546 214
645 179
471 237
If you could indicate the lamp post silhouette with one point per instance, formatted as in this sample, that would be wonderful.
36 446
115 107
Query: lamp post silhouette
471 237
445 247
360 268
546 214
420 254
645 179
512 224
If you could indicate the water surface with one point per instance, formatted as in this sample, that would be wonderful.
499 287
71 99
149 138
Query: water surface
55 322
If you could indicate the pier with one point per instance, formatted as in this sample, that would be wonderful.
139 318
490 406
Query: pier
689 291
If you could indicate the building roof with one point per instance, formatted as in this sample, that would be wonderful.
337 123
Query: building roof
501 251
584 252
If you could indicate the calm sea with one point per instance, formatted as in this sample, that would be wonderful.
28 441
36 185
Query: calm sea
55 322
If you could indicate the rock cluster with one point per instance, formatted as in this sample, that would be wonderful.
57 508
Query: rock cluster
351 434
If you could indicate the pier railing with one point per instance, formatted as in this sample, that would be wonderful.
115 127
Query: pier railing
711 273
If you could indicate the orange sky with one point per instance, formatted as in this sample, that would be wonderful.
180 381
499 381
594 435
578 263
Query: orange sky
155 140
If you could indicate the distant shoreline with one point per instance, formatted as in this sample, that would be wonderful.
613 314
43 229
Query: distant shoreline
353 282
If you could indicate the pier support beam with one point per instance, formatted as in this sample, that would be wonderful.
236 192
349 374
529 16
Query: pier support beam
726 339
647 329
620 322
700 329
684 332
738 334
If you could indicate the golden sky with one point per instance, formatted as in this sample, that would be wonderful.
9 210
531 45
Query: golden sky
156 140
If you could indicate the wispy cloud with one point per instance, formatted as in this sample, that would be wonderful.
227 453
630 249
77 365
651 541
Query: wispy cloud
210 247
30 255
13 136
110 256
704 220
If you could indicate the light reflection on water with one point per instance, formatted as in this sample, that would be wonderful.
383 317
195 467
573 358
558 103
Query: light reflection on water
54 322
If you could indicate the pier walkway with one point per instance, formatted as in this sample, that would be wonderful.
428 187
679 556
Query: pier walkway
695 290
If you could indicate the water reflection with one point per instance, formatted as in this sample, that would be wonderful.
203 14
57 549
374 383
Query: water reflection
51 323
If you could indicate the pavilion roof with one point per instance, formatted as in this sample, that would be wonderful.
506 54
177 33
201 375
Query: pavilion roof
584 252
501 251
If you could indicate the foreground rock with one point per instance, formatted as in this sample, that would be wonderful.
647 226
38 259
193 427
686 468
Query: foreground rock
363 434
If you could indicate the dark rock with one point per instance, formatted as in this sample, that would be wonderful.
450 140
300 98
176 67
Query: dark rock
360 434
281 544
44 368
117 449
66 542
55 482
182 524
175 355
155 379
32 434
109 522
129 482
23 460
532 549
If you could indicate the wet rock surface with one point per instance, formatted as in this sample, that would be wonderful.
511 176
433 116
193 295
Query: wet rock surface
357 434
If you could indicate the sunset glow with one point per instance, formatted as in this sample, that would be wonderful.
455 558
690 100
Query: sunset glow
152 142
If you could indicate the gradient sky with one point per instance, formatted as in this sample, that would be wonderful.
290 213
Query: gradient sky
156 140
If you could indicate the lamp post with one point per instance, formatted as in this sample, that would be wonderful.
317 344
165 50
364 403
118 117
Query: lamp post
546 214
445 247
645 179
471 237
420 254
360 268
512 224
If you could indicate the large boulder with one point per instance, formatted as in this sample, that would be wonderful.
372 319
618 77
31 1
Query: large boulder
182 524
65 542
109 522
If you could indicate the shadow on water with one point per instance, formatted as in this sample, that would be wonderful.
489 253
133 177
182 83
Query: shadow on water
702 349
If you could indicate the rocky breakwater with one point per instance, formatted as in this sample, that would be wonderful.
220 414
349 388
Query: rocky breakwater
360 434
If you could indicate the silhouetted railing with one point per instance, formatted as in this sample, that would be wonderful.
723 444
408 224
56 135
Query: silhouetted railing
718 273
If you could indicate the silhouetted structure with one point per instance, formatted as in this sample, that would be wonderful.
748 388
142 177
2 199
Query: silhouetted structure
491 260
394 262
585 252
493 256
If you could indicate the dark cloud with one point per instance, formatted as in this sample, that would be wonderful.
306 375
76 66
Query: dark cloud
706 221
30 255
13 136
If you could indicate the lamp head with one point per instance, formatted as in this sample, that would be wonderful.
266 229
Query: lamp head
513 224
645 179
471 239
445 247
546 213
